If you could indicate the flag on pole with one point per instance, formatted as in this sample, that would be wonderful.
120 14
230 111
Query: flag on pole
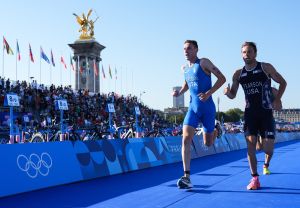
7 47
71 63
103 73
63 62
44 56
109 71
52 59
30 54
18 52
96 71
116 73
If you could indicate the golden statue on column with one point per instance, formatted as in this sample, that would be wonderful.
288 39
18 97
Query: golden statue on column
86 25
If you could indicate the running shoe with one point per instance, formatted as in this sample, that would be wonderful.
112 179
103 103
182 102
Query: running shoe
184 183
254 183
219 129
266 170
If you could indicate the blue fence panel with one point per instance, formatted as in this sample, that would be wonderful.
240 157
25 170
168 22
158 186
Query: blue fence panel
221 145
280 137
292 136
236 141
98 158
201 149
33 166
145 153
172 148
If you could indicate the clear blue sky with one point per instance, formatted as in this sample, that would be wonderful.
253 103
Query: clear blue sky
144 41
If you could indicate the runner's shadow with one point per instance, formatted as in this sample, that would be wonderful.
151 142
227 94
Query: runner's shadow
281 152
238 166
212 174
285 173
289 149
259 161
279 188
268 190
195 186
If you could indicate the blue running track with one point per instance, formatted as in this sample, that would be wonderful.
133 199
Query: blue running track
219 181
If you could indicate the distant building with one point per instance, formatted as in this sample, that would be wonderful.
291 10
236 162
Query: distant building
178 102
176 111
287 115
178 106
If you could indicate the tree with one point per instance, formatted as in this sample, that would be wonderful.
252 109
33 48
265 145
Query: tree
178 118
222 115
233 115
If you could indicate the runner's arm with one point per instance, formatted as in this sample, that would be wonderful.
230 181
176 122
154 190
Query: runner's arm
231 92
211 68
271 71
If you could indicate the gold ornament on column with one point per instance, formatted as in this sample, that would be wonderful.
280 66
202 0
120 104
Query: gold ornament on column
86 25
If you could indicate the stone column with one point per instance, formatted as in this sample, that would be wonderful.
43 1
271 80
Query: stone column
86 52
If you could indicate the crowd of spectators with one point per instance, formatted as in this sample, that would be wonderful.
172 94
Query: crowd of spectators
85 108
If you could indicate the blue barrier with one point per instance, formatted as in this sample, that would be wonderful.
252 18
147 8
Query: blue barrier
221 145
109 157
236 141
34 166
200 148
283 137
173 148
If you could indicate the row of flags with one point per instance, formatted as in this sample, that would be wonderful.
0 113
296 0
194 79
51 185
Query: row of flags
9 51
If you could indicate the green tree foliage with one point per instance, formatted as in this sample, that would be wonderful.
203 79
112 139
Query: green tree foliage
233 115
177 118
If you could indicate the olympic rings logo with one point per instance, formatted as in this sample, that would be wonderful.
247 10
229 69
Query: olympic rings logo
35 164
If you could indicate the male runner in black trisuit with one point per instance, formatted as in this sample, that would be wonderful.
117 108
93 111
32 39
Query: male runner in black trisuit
255 78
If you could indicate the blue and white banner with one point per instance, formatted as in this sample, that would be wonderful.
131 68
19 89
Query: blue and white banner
26 167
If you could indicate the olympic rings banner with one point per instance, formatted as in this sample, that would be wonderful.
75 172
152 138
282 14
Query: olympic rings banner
32 166
26 167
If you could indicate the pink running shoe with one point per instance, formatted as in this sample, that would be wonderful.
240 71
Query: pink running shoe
254 183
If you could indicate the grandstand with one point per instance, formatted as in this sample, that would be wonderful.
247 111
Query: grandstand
85 108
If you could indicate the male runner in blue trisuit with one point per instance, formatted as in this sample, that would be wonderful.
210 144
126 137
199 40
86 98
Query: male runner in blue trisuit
197 75
255 78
